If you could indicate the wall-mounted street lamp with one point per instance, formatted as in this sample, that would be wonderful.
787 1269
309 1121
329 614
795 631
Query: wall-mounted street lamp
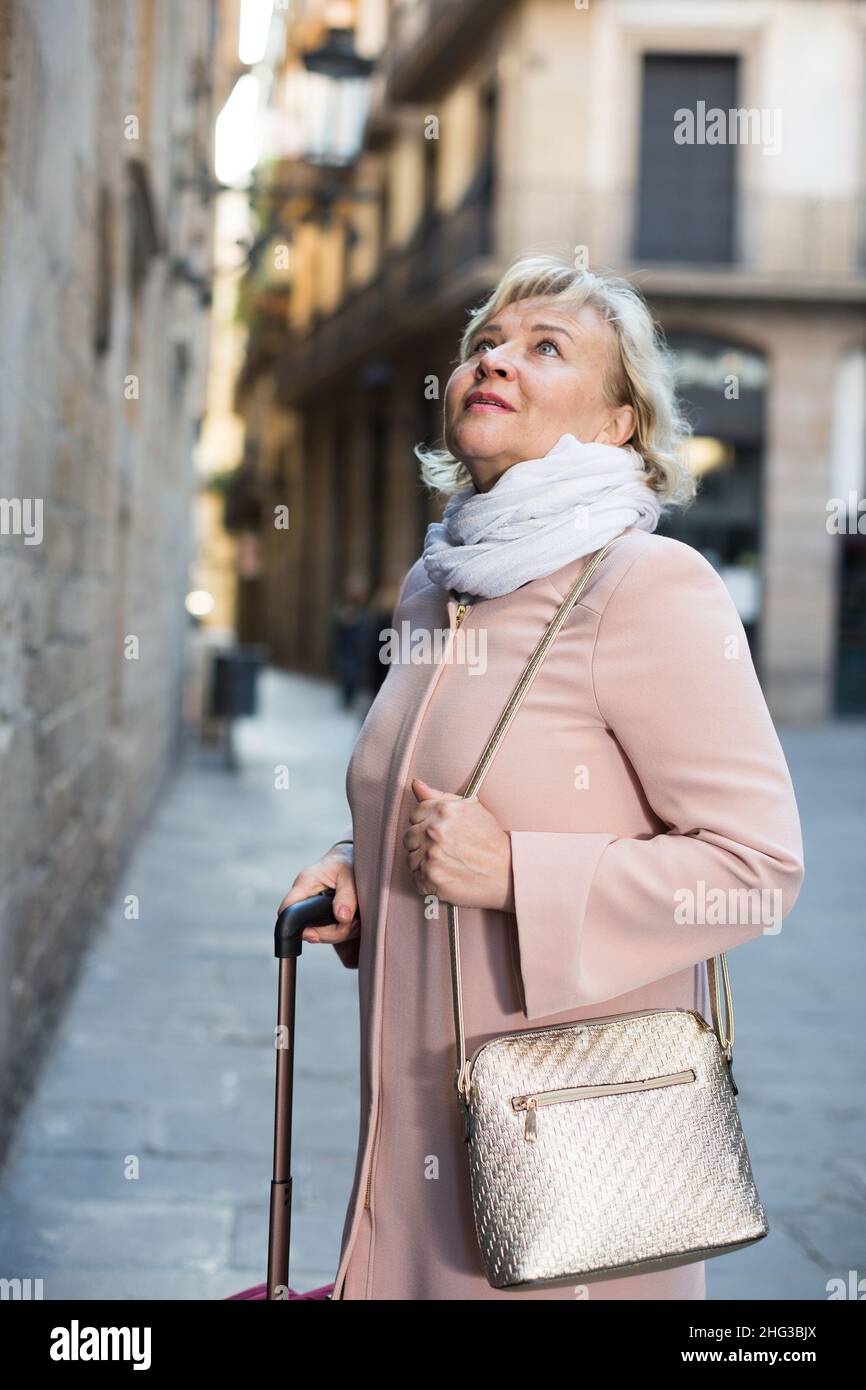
336 100
320 123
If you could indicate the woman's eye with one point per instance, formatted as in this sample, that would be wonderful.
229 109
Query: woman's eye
542 343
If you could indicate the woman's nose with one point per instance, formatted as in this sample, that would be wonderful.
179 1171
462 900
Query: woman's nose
495 363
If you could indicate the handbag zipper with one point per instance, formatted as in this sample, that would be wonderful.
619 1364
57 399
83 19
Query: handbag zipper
530 1103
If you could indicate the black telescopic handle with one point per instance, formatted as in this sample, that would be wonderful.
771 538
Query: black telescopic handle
316 911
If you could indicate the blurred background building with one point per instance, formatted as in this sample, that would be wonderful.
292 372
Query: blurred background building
415 146
107 110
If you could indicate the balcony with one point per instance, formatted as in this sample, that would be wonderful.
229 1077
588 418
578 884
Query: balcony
783 246
429 40
446 264
786 248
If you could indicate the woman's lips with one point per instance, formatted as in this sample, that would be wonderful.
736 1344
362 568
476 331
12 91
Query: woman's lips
490 405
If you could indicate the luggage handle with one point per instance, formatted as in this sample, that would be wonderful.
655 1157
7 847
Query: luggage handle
309 912
288 941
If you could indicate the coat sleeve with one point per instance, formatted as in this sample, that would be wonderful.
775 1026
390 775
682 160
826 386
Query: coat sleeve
349 951
599 914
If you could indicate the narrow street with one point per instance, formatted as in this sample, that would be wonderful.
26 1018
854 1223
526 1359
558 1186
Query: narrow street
142 1167
166 1051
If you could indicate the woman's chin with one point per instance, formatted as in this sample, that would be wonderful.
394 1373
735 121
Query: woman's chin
482 436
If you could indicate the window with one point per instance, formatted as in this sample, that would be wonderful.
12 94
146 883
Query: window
686 192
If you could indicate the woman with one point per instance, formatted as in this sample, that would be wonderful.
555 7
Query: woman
641 772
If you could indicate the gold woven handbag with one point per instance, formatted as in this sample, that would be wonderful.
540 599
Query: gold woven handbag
609 1146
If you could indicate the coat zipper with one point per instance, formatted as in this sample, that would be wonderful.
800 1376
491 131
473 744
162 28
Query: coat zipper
459 615
372 1159
530 1103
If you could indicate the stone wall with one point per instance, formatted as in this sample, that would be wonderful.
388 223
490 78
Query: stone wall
106 108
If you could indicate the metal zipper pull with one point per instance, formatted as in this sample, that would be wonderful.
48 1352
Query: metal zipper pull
730 1065
530 1125
458 616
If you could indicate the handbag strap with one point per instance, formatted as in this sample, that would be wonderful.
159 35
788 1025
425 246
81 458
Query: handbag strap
725 1034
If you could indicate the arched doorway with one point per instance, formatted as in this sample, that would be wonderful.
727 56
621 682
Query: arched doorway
722 385
846 520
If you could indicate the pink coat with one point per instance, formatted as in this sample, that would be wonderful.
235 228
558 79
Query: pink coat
643 762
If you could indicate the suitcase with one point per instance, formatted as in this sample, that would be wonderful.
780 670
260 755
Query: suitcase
309 912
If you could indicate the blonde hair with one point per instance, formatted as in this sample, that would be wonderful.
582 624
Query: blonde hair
640 370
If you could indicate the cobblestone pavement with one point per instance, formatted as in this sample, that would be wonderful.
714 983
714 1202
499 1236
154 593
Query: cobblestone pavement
141 1167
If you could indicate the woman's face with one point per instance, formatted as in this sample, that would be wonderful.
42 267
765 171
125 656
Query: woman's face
546 367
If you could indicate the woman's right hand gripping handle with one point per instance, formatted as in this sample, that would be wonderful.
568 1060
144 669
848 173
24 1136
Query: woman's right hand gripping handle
334 870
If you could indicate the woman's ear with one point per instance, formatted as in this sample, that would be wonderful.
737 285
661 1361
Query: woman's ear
619 427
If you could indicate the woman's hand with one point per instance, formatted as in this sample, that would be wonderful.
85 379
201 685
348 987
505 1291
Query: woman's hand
458 850
334 870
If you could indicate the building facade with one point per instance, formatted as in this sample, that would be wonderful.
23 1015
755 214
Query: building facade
714 154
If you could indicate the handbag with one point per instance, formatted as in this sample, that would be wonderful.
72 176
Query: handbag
609 1146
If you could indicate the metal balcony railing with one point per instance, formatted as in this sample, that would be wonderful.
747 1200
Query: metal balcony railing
415 277
428 38
775 236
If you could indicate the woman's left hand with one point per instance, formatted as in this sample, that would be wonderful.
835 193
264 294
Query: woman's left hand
457 850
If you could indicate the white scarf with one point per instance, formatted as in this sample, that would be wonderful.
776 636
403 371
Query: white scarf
539 515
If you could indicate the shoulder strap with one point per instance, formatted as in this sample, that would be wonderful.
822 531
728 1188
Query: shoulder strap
725 1037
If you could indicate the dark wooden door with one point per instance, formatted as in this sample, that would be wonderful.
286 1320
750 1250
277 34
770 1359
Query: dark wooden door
686 192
